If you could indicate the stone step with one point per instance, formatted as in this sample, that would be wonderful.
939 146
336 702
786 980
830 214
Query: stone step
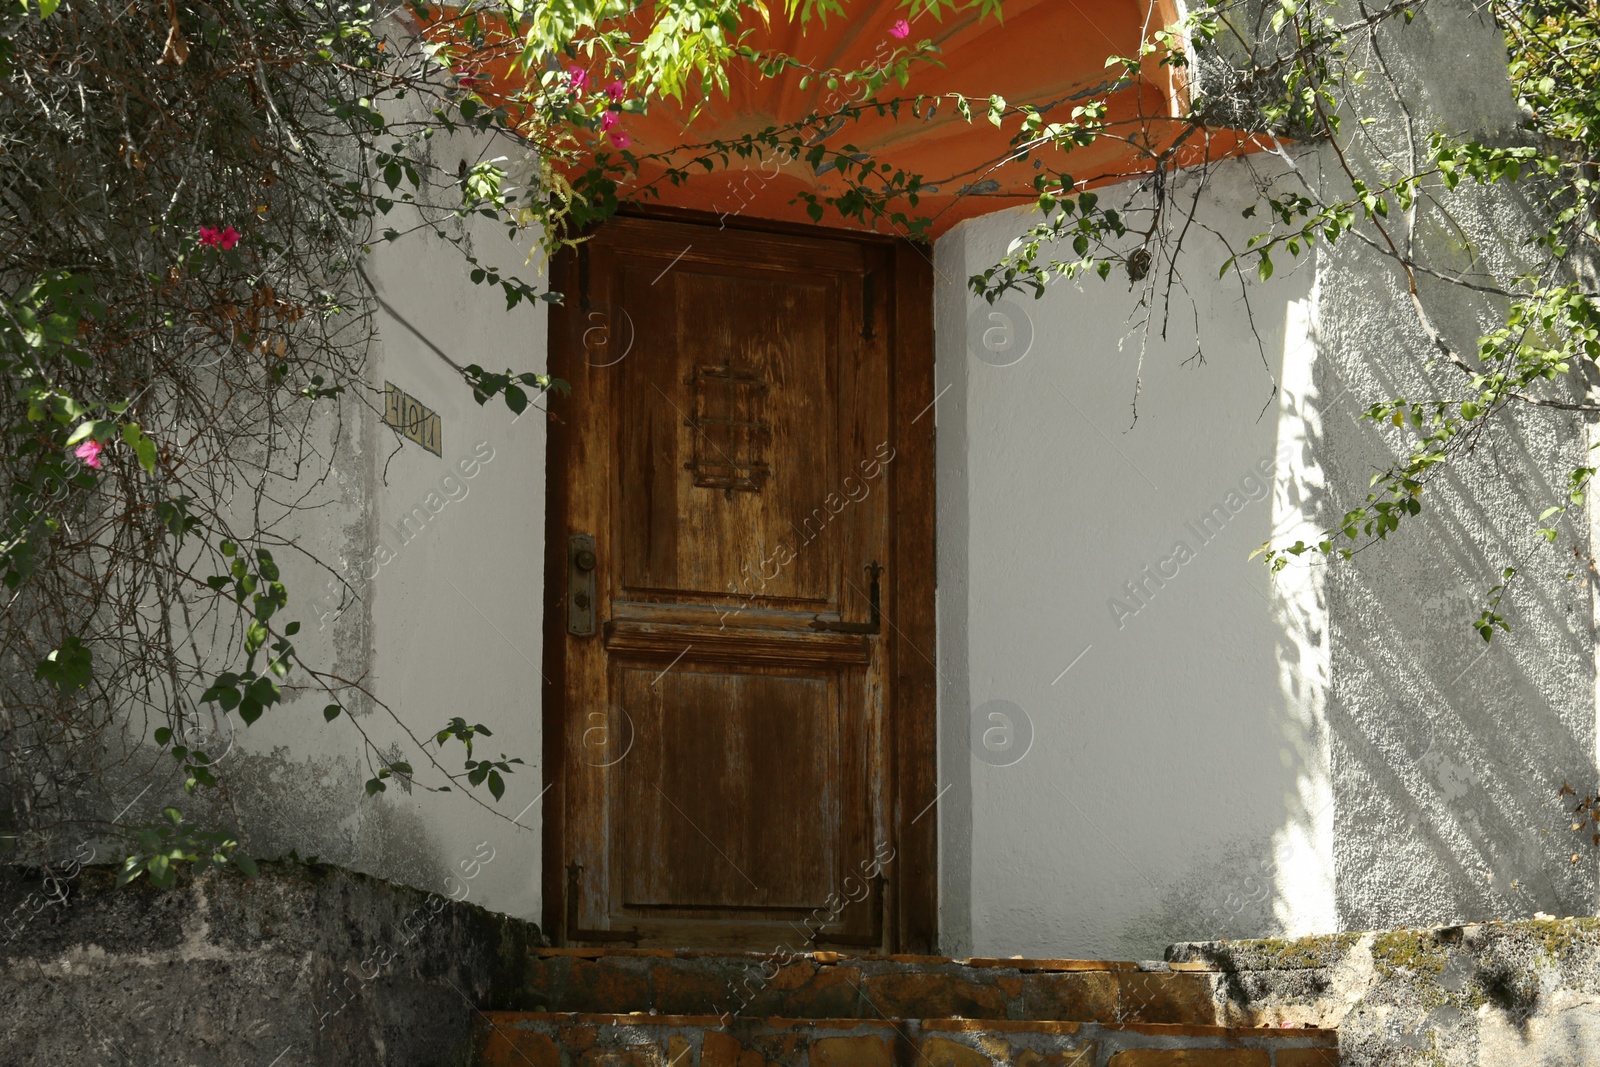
566 1039
828 985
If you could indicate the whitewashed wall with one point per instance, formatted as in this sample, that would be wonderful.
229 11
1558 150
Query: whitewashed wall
438 607
1217 751
458 610
1094 573
1186 746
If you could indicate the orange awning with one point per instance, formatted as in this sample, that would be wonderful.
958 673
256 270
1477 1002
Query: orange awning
1047 53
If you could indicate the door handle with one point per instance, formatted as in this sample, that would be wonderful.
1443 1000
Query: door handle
874 569
581 564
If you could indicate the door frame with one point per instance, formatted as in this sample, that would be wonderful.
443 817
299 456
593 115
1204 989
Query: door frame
911 918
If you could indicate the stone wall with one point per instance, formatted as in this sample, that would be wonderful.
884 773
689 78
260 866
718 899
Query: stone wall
302 965
1511 994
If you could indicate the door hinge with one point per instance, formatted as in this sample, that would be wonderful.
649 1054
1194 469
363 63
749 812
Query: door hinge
583 277
869 305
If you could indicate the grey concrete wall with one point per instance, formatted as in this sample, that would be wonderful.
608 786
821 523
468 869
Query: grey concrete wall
299 966
1514 994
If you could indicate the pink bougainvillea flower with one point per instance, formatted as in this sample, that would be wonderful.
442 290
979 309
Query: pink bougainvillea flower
468 81
900 30
616 91
224 238
89 452
608 120
620 138
578 77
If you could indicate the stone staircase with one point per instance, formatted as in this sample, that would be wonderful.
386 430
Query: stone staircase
646 1008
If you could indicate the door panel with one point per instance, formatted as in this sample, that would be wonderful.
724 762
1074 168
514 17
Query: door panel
750 760
762 448
723 736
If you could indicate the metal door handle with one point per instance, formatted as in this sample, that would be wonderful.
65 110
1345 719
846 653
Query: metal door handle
581 563
874 569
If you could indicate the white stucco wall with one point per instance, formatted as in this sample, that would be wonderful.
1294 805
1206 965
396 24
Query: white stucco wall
1233 752
1179 762
430 598
458 610
1186 746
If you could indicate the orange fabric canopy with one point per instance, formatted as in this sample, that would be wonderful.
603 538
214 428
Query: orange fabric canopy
1047 53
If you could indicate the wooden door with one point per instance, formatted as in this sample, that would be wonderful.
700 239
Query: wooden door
740 554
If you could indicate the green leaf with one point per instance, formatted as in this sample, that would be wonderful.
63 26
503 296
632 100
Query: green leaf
254 637
68 667
331 712
144 449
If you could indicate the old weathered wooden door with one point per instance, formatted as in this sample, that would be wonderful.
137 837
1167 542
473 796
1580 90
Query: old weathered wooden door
740 550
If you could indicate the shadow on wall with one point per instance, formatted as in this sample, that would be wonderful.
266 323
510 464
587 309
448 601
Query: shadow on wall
1447 752
1443 754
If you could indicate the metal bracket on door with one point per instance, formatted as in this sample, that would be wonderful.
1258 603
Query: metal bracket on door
581 562
573 932
874 569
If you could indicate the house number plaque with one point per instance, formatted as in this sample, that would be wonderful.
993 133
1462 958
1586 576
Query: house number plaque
415 422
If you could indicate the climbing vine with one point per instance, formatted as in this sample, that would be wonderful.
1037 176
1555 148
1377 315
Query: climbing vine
193 189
